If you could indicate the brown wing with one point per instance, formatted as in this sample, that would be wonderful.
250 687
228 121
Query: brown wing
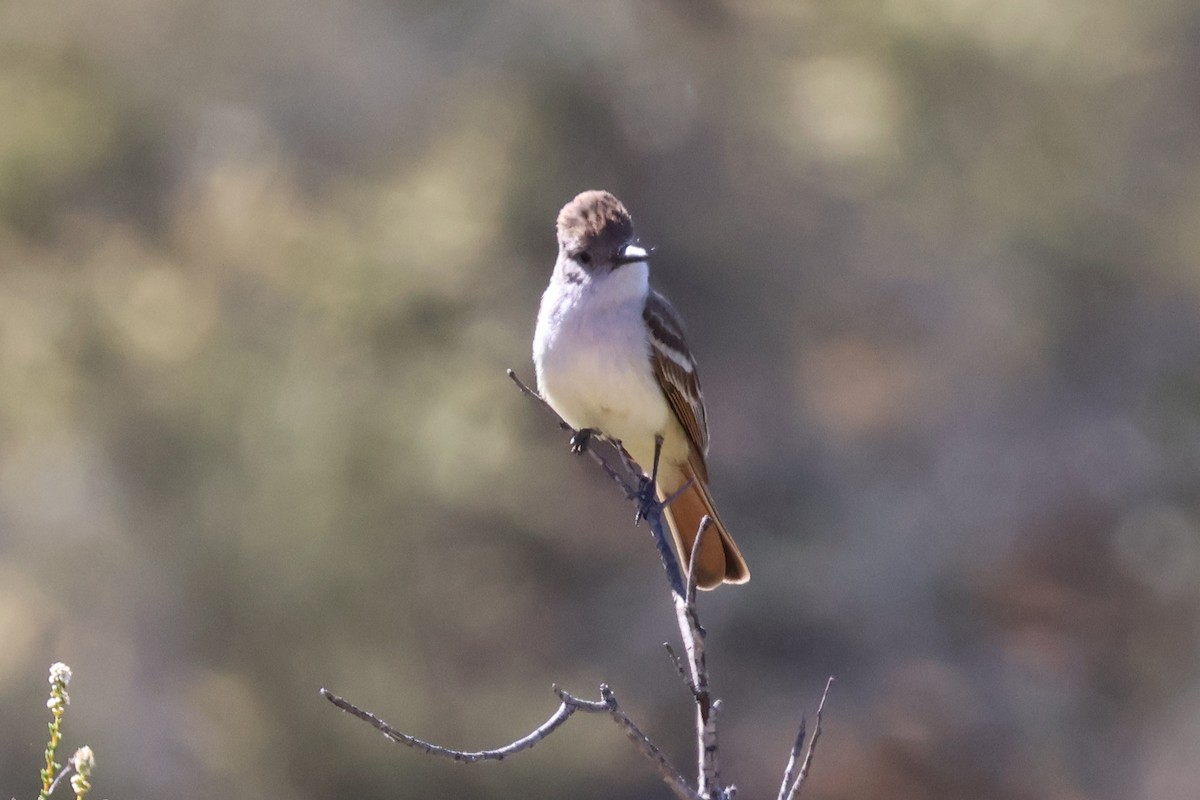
676 372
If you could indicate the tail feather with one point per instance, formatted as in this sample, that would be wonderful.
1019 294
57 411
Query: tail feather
719 560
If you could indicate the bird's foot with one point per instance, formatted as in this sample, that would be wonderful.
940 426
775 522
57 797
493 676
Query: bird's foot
646 498
580 441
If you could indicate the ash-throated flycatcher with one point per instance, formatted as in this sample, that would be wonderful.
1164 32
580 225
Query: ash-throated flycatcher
611 357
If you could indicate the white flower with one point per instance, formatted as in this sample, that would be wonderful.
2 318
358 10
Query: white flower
60 673
83 760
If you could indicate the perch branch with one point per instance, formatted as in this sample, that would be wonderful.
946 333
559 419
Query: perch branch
640 489
631 493
683 592
693 634
694 673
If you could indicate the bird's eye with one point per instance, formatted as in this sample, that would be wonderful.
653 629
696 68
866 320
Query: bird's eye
584 257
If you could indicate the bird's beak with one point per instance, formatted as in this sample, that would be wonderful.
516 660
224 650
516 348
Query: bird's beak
631 253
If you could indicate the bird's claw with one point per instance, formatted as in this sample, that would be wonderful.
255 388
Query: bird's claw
647 499
580 441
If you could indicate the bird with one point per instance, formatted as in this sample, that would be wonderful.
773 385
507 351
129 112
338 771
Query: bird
611 356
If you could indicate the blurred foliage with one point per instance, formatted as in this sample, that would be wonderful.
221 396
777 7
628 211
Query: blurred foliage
262 267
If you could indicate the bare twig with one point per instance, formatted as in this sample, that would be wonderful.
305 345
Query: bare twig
693 634
569 705
794 790
666 553
681 669
651 510
705 524
631 491
789 773
512 375
671 776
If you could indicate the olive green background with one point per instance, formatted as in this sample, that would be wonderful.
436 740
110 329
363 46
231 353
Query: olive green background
262 268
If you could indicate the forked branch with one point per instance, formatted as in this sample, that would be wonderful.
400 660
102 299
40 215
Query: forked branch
607 704
693 668
790 789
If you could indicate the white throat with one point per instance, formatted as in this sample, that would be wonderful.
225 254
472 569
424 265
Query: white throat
592 353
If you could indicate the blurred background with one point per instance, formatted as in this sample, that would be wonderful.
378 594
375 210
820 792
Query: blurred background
262 268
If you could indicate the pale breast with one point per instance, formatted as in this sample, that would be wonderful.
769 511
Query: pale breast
593 367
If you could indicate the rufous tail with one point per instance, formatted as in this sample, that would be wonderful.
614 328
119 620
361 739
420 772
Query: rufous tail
719 560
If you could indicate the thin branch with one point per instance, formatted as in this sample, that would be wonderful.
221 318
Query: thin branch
651 510
794 792
671 776
681 669
693 557
789 773
631 492
512 375
570 704
693 635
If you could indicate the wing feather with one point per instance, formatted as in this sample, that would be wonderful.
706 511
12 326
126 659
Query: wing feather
675 369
